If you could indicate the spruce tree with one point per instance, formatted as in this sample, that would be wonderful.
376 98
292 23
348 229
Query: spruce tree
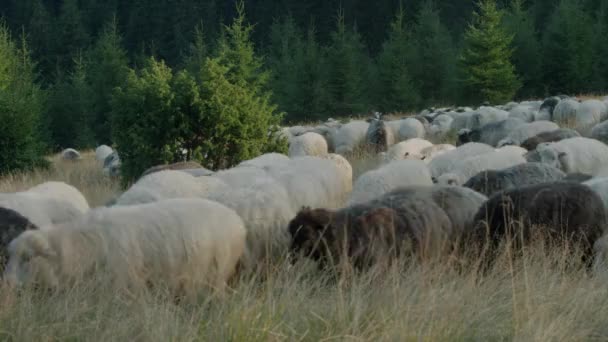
70 35
519 22
487 69
107 69
434 57
21 104
568 49
396 91
347 70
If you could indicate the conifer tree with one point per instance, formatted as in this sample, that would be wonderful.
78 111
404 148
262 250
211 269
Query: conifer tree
487 69
21 105
519 22
396 91
568 49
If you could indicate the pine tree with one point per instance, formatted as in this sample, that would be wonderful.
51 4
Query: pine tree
434 57
347 70
197 53
568 49
488 72
21 103
71 35
107 69
526 56
396 91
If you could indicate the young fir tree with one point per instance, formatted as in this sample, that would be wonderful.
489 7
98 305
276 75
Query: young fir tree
70 35
568 49
21 103
434 57
107 69
347 66
486 65
396 91
519 22
197 53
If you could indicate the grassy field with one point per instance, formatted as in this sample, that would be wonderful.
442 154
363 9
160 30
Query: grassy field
539 297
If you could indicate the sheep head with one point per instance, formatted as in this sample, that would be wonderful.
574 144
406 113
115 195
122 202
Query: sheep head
31 260
12 224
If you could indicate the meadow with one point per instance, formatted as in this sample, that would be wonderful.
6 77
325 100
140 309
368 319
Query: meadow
539 297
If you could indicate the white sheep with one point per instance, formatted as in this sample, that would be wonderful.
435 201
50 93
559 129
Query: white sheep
346 171
349 136
308 144
523 132
600 132
169 184
441 125
575 155
388 177
485 115
102 152
524 112
469 167
409 149
565 112
184 244
63 192
445 162
459 119
241 176
599 186
410 128
266 210
266 160
490 133
40 210
70 154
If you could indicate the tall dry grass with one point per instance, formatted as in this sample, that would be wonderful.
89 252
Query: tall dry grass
540 297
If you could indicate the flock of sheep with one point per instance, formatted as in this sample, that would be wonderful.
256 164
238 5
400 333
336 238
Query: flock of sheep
189 228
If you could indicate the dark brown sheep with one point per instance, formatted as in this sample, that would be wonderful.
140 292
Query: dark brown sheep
558 211
414 220
551 136
12 224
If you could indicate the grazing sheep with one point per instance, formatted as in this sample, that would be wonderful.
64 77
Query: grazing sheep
409 149
489 182
169 184
198 172
460 120
308 144
565 112
558 210
61 192
577 177
490 133
266 209
175 166
349 136
524 132
551 136
240 176
429 153
468 167
445 162
266 160
388 177
380 135
184 244
346 171
600 187
485 115
523 112
546 109
111 165
102 152
600 132
441 125
70 154
424 220
575 155
591 112
410 128
12 224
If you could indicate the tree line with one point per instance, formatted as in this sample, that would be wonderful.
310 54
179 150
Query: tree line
94 69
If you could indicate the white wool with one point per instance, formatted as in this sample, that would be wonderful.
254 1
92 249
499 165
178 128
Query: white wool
565 111
308 144
441 125
70 154
514 149
429 153
409 149
599 186
63 192
102 152
266 160
600 132
240 176
346 171
460 120
185 244
165 185
582 155
524 112
266 211
523 132
466 168
349 136
410 128
391 176
445 162
42 211
485 115
592 111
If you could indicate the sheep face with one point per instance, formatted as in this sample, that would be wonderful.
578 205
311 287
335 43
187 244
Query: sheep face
11 225
31 261
467 136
